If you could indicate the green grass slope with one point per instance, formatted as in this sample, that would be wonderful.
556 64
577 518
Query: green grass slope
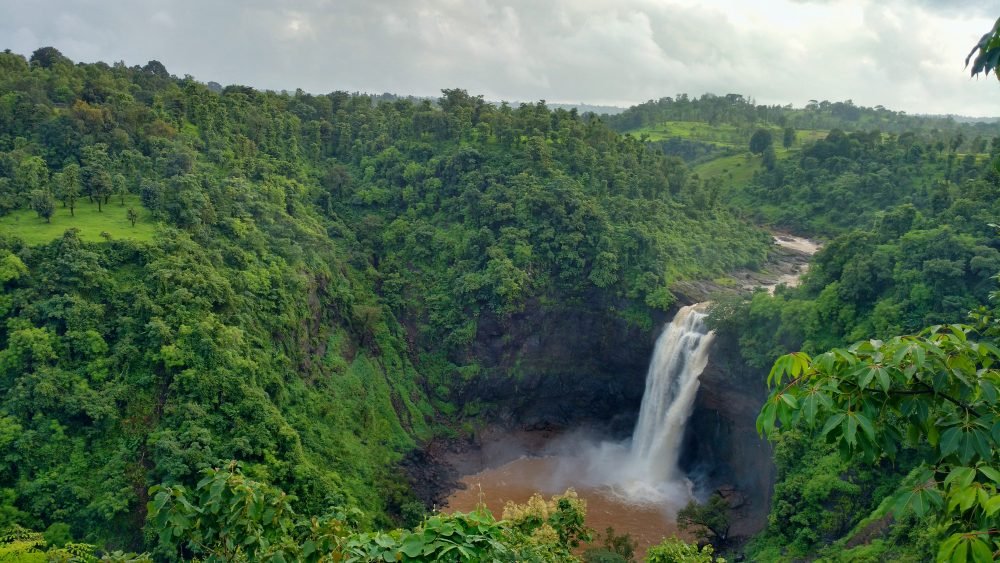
33 230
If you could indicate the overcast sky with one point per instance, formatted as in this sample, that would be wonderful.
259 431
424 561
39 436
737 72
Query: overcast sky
903 54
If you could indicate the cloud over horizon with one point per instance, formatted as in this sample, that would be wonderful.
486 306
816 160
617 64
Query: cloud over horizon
902 55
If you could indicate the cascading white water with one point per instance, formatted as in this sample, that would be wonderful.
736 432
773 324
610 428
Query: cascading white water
679 357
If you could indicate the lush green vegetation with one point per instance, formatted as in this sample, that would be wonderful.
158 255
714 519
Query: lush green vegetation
722 135
302 282
935 393
714 133
228 517
876 173
918 250
915 248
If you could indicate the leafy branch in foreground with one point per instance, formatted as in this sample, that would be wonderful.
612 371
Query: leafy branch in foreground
26 546
229 517
938 392
674 550
989 53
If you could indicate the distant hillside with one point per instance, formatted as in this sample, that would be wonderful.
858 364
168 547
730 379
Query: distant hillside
580 108
739 110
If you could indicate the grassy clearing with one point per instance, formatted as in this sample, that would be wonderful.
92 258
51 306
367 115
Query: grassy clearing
803 136
723 135
735 169
738 168
27 226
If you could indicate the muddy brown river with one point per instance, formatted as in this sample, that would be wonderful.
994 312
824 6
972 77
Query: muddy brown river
647 523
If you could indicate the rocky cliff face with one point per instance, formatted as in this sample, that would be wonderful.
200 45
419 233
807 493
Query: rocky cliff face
722 449
549 367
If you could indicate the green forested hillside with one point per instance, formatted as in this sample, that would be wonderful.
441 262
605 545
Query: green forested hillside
851 180
911 242
741 112
302 281
714 133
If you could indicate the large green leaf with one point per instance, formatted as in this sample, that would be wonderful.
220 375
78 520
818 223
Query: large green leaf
832 422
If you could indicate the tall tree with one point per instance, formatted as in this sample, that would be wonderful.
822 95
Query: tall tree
96 173
788 137
120 187
48 57
67 184
760 141
101 186
43 204
31 174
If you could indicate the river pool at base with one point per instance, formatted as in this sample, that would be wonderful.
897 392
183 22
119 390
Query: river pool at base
647 523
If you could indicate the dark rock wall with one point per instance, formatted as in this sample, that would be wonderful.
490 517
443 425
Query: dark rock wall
563 367
722 449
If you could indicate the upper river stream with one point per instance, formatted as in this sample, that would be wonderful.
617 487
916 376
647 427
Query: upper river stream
633 485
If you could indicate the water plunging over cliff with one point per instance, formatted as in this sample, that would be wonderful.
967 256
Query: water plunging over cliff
680 355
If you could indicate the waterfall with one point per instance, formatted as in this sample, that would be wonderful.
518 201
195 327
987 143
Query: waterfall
680 356
643 470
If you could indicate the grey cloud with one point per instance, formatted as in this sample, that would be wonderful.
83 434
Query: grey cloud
564 50
948 7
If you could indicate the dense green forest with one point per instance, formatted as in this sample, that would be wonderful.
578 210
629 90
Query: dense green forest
193 275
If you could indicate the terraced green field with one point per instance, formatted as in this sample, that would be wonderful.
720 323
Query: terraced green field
113 220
